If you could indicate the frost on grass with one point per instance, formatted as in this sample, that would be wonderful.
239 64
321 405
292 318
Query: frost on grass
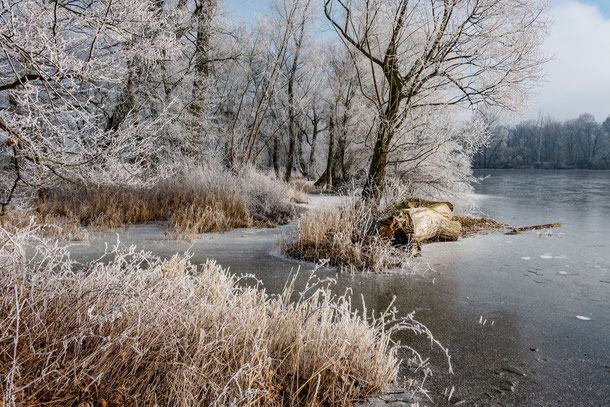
346 236
200 199
133 329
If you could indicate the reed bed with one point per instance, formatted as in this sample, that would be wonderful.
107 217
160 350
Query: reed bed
345 236
202 200
133 329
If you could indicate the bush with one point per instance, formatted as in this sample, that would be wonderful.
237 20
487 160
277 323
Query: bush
133 329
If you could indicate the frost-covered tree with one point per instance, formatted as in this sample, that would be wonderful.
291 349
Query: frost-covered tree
349 117
429 55
263 92
62 64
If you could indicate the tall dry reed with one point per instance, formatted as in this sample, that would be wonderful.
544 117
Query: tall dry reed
201 200
133 329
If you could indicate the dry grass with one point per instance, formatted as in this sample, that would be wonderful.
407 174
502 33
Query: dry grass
347 237
297 193
137 330
203 201
54 225
308 187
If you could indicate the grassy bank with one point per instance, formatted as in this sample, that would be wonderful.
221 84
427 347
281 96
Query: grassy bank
138 330
200 201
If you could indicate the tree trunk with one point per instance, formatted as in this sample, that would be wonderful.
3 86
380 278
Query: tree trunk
126 103
312 152
327 176
276 156
341 174
291 107
203 15
301 162
291 125
419 222
373 188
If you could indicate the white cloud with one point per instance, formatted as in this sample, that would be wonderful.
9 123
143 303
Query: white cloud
578 78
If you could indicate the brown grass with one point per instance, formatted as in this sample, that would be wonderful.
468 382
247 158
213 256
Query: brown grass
139 330
53 225
192 205
297 193
308 187
346 236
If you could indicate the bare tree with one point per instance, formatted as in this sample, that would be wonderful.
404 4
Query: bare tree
60 64
436 54
293 66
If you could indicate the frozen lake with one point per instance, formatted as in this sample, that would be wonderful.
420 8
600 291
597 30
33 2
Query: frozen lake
526 317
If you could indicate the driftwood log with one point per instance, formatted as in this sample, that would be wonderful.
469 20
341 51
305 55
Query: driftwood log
414 222
516 231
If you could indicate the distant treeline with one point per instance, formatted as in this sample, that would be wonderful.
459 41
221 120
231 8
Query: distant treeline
547 143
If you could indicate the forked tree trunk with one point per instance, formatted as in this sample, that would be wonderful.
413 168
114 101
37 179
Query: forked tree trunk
373 188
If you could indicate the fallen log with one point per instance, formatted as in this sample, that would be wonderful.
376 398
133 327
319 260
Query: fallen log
516 231
414 222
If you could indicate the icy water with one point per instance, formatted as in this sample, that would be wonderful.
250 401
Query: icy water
526 318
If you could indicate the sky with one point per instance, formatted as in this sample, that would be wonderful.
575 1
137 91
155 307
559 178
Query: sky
578 76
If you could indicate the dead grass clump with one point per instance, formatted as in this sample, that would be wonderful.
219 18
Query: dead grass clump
133 329
346 236
472 226
297 194
309 187
205 200
53 226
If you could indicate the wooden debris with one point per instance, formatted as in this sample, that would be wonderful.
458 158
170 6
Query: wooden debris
516 231
413 222
471 225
